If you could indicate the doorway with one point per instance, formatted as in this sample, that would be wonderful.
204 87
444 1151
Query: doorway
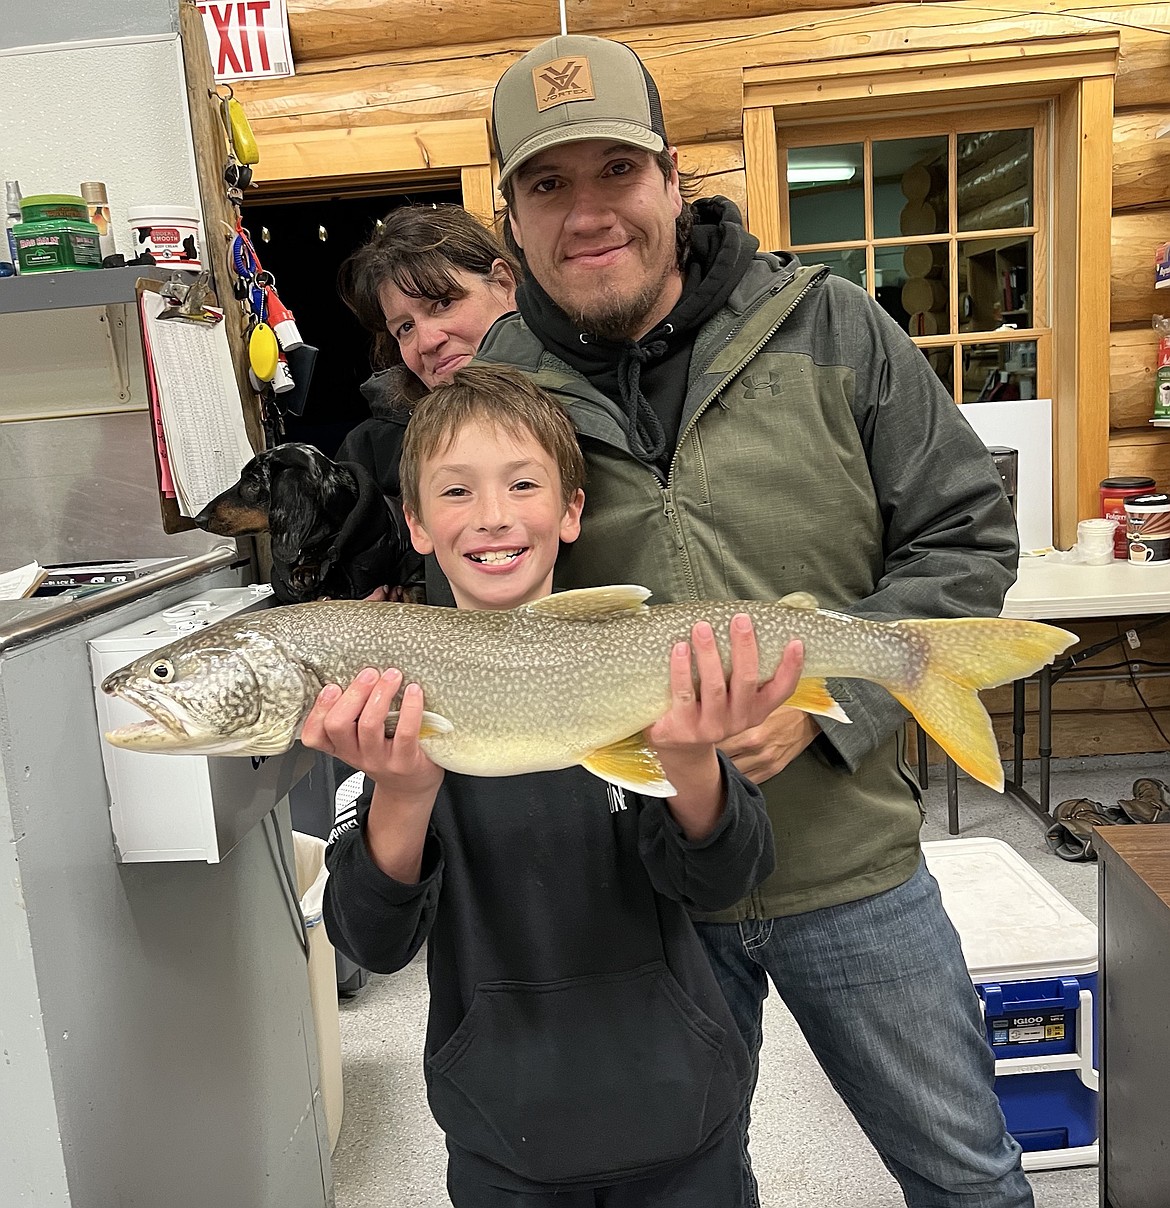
302 243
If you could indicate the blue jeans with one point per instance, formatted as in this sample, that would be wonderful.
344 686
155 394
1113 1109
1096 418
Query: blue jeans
881 992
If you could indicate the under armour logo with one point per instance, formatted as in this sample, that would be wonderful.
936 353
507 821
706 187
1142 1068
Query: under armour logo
563 80
617 798
753 386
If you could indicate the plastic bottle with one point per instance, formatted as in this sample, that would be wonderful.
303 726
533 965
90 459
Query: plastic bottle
12 217
94 192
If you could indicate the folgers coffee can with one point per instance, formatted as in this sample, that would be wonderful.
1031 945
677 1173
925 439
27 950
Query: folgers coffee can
1114 493
1148 527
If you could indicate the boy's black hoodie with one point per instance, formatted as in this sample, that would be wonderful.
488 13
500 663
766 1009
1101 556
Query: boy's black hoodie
577 1035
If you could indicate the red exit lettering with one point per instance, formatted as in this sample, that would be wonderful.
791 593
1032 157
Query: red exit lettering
242 40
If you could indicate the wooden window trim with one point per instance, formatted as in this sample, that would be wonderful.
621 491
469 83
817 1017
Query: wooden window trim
1003 116
1075 74
413 153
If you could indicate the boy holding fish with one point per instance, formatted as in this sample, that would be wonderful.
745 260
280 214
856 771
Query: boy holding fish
579 1050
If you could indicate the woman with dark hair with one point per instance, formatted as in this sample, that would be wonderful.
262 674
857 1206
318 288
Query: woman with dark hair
427 286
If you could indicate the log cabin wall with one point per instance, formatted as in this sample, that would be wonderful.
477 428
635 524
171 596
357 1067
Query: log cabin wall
411 81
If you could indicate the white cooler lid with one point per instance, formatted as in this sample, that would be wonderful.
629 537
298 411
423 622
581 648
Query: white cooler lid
1013 924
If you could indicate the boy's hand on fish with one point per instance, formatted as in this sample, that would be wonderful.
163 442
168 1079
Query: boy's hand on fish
764 750
352 726
717 707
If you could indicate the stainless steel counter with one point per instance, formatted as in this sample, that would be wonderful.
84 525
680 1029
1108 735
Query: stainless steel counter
158 1043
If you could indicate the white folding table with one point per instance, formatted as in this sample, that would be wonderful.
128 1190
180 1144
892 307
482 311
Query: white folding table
1046 590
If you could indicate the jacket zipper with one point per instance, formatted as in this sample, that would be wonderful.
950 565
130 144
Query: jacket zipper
668 507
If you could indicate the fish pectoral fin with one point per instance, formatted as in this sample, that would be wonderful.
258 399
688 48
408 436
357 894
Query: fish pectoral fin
632 765
799 599
433 724
813 696
589 603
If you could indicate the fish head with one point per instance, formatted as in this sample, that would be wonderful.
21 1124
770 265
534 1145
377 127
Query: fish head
220 692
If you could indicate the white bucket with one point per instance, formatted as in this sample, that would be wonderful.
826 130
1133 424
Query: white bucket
169 233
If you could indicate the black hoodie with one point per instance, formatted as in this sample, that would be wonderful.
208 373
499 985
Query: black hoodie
649 376
577 1035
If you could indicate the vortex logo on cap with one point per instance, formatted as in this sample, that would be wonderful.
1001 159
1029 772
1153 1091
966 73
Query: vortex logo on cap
563 80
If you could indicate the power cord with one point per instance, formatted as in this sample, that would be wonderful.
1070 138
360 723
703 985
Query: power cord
1137 688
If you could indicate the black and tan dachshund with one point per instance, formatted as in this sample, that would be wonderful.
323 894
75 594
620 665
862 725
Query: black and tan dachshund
330 538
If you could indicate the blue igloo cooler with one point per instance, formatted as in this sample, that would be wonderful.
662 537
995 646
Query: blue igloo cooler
1033 959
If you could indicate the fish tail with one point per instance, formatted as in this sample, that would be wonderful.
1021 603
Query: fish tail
958 659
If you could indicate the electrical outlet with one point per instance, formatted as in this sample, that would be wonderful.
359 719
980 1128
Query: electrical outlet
1131 636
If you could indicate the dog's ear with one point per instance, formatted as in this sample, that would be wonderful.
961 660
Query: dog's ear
294 510
338 491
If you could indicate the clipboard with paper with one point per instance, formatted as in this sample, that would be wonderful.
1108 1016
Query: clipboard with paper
201 443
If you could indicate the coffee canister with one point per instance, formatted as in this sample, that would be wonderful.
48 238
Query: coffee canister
1114 493
1148 528
169 233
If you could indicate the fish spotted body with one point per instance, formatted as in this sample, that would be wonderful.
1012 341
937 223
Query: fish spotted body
573 678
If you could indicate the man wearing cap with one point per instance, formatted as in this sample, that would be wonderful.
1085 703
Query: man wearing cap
751 428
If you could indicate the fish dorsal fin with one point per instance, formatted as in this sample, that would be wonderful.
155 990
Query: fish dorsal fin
799 599
813 696
631 764
589 603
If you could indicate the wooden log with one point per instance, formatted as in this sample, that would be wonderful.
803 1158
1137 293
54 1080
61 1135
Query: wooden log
919 181
1136 452
1141 160
925 294
1135 235
720 167
406 84
925 259
922 218
1008 172
329 29
1144 62
976 149
1010 210
1133 356
322 29
929 323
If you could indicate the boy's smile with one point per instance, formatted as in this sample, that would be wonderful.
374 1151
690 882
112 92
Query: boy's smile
491 510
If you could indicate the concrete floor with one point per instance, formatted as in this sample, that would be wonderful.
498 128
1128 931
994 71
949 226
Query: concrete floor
808 1152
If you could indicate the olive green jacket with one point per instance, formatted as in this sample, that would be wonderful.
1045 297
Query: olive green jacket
817 452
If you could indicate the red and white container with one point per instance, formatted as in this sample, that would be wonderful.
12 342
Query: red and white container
169 233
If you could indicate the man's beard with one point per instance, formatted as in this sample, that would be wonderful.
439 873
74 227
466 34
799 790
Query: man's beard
617 318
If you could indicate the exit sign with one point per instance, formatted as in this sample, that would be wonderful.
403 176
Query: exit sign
248 39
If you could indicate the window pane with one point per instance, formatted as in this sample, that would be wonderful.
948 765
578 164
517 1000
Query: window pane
912 287
910 187
942 361
848 263
999 371
825 210
995 180
995 283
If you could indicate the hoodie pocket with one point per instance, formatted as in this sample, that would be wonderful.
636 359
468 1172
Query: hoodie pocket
582 1078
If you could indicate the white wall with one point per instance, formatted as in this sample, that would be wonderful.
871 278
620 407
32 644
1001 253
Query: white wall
112 111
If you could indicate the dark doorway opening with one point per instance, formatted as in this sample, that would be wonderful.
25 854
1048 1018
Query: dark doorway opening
305 267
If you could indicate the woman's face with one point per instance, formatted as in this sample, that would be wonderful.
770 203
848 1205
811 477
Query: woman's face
438 337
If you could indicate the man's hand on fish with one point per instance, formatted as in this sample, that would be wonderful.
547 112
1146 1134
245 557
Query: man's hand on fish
764 750
707 708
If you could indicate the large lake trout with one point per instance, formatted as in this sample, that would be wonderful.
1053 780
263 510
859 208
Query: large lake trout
569 679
